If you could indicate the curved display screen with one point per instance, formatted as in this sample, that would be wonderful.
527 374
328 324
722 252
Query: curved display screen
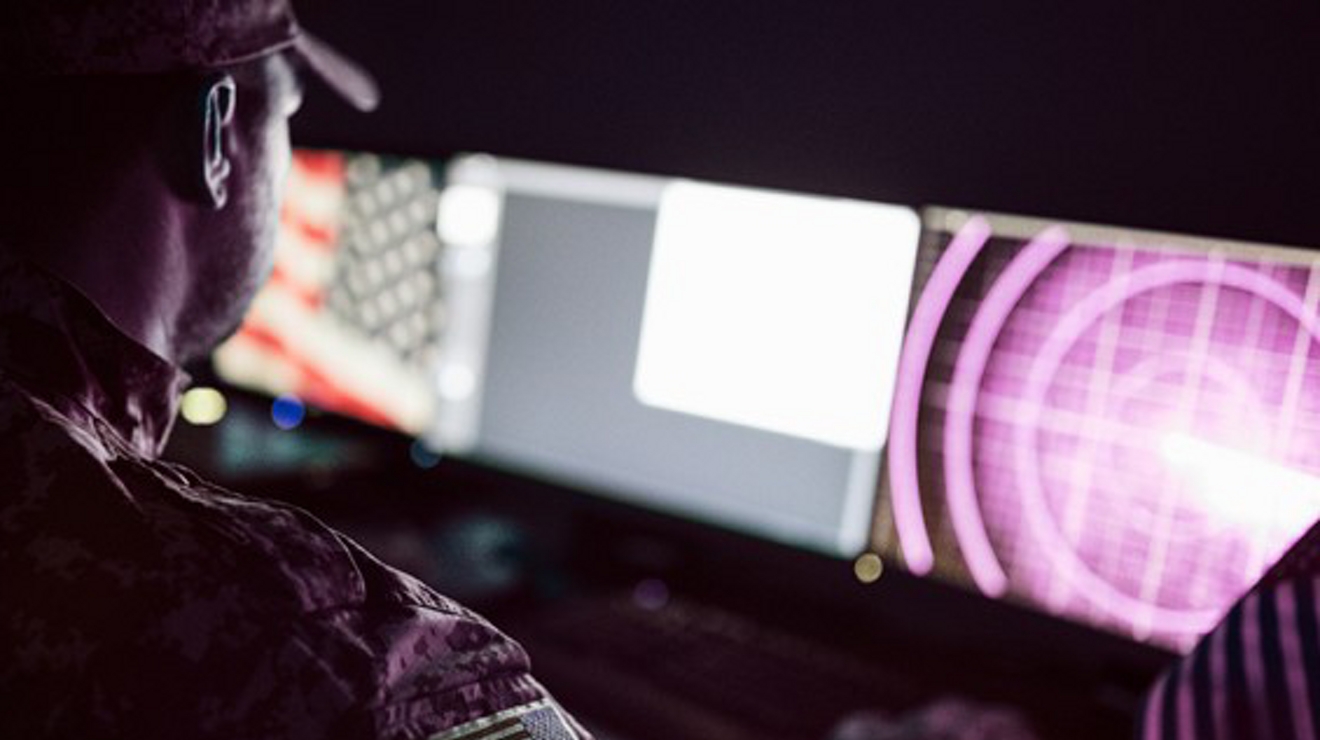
1115 427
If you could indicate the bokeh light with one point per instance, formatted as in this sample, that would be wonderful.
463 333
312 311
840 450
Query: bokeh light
203 406
868 568
423 456
287 412
651 594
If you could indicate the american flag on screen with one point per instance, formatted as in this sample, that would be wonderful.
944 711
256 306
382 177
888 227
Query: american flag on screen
351 316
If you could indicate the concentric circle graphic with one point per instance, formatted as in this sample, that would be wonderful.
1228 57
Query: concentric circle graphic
1122 433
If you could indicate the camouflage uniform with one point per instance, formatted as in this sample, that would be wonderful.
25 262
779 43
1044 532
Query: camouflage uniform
137 601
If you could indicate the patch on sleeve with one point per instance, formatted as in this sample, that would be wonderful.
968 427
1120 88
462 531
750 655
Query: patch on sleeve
540 720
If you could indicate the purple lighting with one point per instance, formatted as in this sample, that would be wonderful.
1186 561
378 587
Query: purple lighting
995 309
925 323
1048 360
1107 426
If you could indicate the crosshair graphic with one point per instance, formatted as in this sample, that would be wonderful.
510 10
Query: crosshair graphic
1119 433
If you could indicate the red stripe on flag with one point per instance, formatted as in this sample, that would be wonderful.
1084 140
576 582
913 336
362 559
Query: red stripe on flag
315 386
281 280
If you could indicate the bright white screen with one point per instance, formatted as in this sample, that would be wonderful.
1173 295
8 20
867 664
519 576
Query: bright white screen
775 311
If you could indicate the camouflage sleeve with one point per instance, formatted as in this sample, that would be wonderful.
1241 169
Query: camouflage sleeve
383 655
388 670
439 670
139 601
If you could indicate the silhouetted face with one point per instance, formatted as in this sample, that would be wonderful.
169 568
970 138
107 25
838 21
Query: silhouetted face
232 249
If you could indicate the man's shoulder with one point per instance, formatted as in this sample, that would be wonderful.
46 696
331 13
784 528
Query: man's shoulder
77 514
136 579
76 505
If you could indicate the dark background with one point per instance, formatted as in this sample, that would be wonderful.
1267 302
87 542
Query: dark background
1202 118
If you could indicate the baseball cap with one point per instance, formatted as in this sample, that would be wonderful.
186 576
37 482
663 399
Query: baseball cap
82 37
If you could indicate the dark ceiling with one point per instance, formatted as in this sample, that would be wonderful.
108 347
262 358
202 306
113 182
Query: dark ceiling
1199 118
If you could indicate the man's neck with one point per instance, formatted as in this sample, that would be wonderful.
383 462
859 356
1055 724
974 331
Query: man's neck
123 252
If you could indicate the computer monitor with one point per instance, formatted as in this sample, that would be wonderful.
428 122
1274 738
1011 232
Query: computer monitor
717 353
352 317
1116 427
723 354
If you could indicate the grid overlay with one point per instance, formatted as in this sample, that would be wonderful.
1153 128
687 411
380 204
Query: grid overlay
1141 434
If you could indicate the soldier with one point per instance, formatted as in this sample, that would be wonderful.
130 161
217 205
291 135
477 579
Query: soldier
145 145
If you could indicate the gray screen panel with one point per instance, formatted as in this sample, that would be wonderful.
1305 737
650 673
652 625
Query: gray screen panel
559 400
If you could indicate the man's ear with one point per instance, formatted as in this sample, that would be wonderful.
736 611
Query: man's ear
219 98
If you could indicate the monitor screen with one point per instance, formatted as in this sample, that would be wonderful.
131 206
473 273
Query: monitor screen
722 354
353 314
1119 428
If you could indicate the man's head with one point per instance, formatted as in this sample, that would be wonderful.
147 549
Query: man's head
237 172
149 145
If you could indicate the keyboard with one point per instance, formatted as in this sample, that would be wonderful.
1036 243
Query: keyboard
685 669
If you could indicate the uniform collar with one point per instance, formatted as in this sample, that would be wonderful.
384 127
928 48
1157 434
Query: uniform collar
56 344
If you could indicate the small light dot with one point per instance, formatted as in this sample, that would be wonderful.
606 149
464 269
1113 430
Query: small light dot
651 594
203 406
868 568
287 412
422 456
468 215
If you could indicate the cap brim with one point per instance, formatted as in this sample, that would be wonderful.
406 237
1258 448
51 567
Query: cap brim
342 74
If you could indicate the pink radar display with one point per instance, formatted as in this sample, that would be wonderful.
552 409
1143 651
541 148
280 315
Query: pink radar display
1117 427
